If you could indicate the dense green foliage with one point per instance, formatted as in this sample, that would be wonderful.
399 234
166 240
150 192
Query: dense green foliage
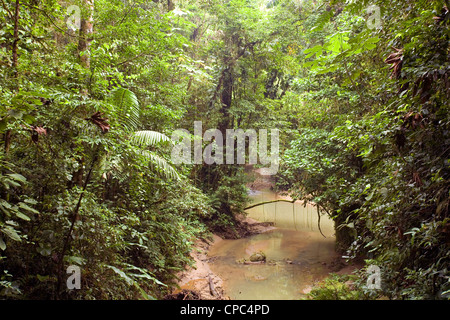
373 144
84 180
86 176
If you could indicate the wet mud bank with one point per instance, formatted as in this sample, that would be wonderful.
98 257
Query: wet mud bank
201 282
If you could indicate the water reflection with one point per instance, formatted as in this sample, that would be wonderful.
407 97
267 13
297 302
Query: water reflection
297 254
289 215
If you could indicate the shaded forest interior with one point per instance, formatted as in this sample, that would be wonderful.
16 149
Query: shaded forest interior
92 91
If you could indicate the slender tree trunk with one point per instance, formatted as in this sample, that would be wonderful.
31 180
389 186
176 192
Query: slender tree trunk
67 239
7 140
15 63
16 35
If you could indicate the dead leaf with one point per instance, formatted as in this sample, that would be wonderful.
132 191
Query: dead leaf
102 123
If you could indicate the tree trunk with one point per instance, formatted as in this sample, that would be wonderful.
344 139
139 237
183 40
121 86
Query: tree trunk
170 5
7 140
84 42
226 98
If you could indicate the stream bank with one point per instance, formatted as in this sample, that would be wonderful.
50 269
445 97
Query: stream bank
201 283
298 254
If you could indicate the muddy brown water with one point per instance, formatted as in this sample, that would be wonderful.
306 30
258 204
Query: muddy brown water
297 253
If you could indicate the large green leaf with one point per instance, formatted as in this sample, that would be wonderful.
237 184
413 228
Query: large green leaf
11 233
122 274
2 244
22 215
27 207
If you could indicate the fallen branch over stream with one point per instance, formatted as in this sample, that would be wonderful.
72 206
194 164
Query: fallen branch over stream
267 202
290 201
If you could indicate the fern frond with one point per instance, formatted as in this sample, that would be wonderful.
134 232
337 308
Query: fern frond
127 109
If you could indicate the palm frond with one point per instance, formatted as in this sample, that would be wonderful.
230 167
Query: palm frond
160 164
127 110
148 138
126 107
